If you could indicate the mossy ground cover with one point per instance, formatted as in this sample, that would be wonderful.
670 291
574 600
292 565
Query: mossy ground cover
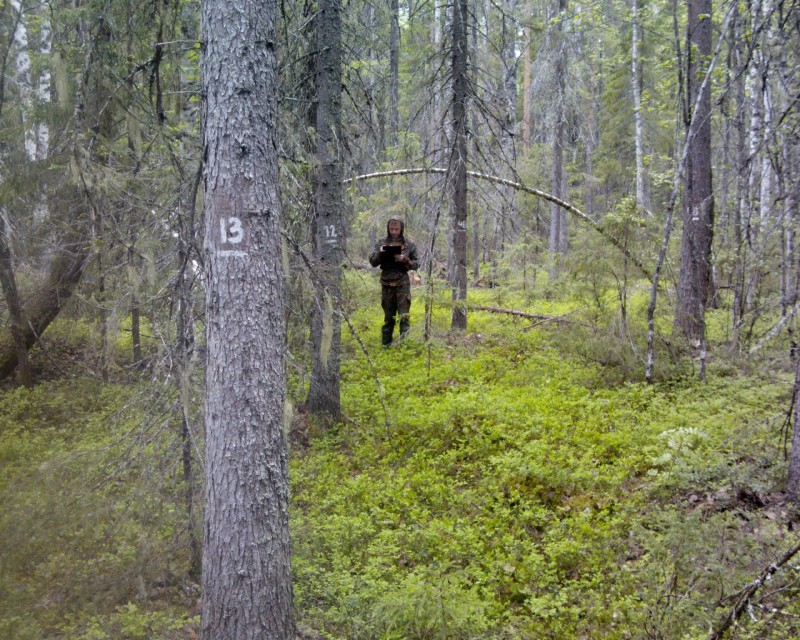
493 485
91 522
513 481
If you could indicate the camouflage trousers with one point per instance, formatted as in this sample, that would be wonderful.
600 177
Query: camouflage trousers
396 301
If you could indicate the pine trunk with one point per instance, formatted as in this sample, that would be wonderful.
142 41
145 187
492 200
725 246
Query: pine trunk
42 308
636 87
526 78
459 165
247 592
326 328
558 218
394 72
694 282
11 295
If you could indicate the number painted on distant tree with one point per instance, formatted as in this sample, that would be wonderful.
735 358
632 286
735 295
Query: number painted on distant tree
330 233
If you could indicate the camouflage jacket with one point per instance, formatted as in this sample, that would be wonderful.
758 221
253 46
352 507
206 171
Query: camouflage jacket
395 273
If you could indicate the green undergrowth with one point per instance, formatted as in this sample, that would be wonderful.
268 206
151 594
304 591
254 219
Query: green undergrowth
515 481
91 521
492 484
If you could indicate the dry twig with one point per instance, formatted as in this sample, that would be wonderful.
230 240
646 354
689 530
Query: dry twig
743 597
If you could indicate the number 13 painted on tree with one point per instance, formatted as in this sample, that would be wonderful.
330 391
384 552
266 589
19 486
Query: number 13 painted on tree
231 231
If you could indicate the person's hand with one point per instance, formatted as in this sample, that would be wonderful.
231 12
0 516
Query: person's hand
401 258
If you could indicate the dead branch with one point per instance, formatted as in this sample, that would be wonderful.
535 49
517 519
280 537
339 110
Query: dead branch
359 266
775 330
531 316
519 187
742 598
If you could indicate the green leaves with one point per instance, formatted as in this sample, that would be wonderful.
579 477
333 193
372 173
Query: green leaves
502 499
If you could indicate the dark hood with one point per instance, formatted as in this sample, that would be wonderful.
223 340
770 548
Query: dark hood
402 227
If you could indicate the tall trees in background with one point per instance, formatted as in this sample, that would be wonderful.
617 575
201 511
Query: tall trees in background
329 215
698 210
636 90
107 102
507 166
246 555
526 76
46 200
458 160
394 71
558 217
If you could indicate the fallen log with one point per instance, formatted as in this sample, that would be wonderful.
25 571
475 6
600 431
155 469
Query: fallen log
530 316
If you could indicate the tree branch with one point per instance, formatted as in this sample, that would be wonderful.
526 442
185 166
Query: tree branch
530 316
518 186
742 598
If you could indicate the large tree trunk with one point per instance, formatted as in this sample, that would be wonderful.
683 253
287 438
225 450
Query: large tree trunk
11 295
698 214
43 307
793 484
394 72
247 592
558 218
458 165
636 87
526 78
326 322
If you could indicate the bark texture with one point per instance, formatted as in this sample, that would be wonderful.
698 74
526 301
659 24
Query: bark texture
558 219
636 88
326 323
11 295
698 216
247 591
458 165
42 308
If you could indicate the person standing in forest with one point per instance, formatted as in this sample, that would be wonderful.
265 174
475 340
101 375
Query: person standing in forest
396 256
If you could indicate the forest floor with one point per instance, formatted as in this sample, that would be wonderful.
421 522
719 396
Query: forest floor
518 480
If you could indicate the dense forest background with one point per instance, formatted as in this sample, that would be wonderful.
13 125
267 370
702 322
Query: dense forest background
591 429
